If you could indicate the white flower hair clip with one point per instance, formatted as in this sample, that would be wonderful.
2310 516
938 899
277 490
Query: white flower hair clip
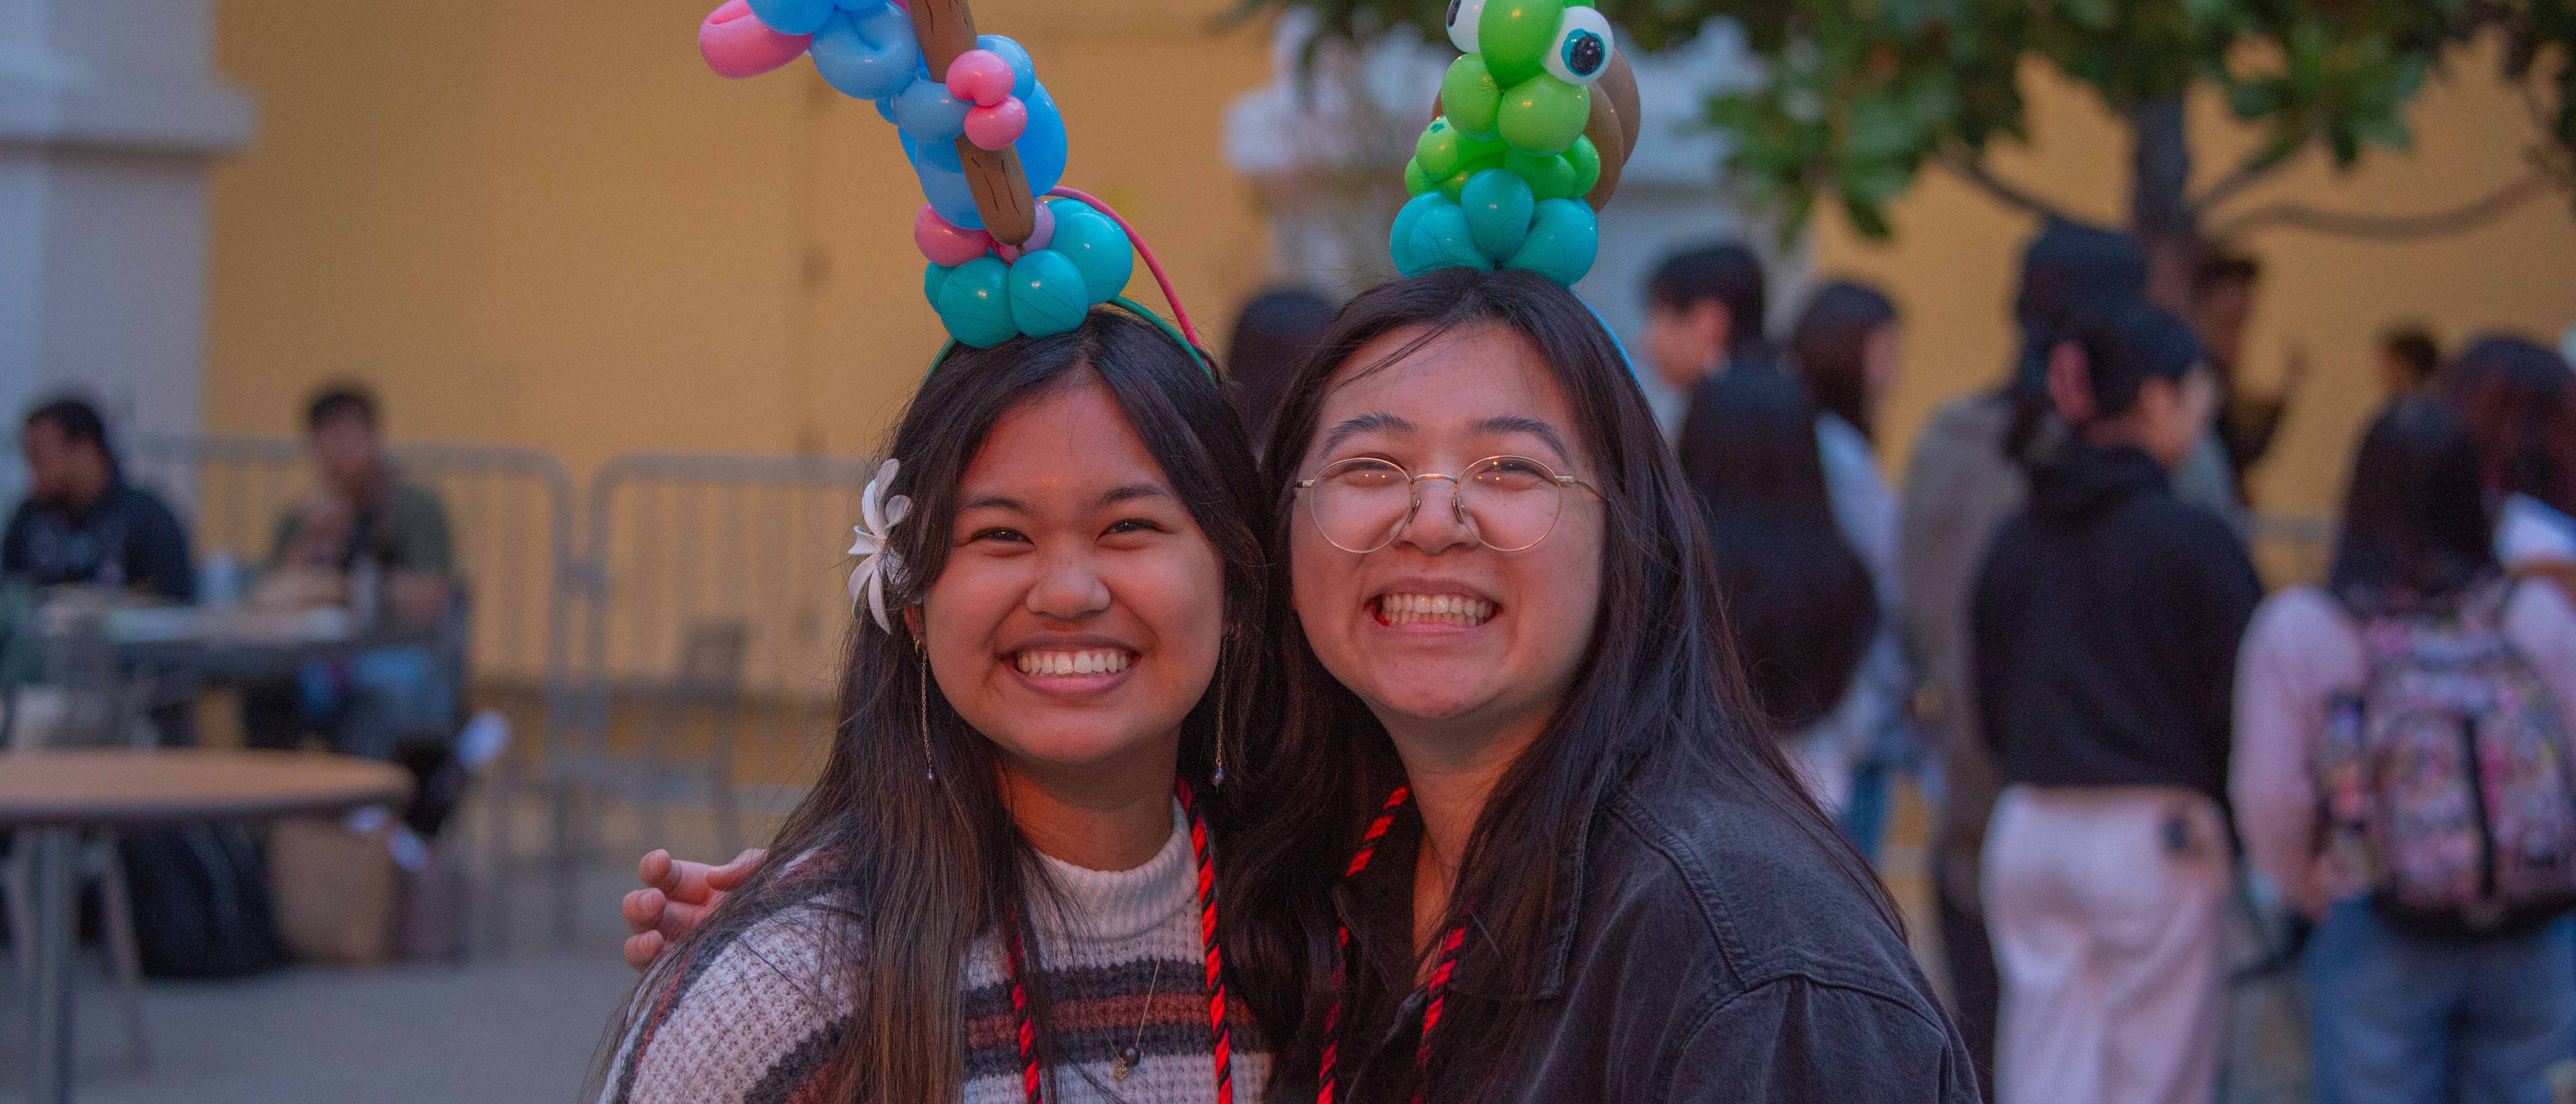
876 542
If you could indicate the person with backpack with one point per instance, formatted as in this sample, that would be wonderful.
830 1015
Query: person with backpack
2402 776
2104 623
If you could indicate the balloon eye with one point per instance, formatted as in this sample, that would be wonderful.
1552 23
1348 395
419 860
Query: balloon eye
1463 17
1582 48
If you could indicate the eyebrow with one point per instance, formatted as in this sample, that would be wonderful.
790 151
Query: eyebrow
1377 422
1521 423
1130 493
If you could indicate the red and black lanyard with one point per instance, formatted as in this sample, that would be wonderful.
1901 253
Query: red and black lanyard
1215 970
1435 989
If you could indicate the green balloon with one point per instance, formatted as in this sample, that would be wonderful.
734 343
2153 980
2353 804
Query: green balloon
1456 185
1416 181
1544 114
1498 205
975 303
1587 165
1469 96
1047 293
1438 149
1516 35
1551 177
1439 239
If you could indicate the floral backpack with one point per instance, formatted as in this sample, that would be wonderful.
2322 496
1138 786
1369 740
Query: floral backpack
2447 781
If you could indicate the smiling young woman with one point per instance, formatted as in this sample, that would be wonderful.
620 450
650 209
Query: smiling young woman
1519 777
999 889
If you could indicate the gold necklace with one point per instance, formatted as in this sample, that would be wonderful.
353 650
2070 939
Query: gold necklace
1131 1055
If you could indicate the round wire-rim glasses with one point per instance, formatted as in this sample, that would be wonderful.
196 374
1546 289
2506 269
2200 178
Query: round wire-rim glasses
1360 504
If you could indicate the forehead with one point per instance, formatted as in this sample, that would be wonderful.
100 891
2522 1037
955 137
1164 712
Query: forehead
1455 380
1068 439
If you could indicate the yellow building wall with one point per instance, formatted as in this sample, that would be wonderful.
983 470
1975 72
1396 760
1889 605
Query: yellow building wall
1952 262
549 225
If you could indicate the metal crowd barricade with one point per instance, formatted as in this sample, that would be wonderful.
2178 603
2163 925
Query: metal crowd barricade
713 610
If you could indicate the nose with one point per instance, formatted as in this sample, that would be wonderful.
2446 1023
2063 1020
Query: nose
1438 523
1068 589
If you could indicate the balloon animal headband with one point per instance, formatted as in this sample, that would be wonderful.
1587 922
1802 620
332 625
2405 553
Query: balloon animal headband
1530 133
986 141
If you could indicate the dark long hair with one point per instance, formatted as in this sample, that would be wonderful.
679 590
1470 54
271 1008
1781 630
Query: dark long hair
2520 402
1830 345
1798 599
909 871
1271 338
2414 528
1658 688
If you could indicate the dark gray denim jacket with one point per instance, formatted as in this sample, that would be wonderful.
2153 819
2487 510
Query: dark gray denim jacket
1709 952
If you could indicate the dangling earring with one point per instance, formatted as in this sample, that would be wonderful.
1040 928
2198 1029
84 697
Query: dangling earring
1218 778
921 657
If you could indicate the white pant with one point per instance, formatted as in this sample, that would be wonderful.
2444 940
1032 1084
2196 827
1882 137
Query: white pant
2107 937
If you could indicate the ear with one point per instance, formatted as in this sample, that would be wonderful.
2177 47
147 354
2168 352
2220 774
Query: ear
912 623
1717 325
2068 385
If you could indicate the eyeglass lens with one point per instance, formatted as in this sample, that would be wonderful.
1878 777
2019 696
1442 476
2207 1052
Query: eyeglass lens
1509 502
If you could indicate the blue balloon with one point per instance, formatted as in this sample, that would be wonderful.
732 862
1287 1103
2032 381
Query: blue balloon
1498 205
1024 69
862 5
1439 239
793 17
1096 246
932 280
1413 208
974 303
1042 146
928 113
1564 236
869 55
885 109
943 182
1047 293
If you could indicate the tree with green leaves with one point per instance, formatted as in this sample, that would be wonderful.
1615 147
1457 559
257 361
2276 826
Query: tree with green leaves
1864 95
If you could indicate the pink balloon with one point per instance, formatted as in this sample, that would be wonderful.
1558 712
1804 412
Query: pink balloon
944 243
981 77
1043 233
997 126
737 44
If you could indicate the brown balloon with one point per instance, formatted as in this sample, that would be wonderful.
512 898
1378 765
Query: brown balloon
946 29
1613 126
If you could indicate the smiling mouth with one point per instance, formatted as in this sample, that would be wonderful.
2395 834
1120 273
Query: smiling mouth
1077 663
1453 610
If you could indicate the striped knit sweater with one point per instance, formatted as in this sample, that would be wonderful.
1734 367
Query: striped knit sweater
751 1020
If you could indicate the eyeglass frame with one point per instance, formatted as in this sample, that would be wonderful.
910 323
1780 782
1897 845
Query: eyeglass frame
1457 502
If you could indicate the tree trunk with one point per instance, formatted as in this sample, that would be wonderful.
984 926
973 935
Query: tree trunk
2159 205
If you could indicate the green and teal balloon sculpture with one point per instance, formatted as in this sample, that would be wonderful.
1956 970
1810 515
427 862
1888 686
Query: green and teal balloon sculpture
1532 129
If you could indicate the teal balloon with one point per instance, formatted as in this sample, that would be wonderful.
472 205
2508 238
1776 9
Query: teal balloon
1412 211
1096 247
932 280
975 303
1437 239
1498 206
1563 239
1047 293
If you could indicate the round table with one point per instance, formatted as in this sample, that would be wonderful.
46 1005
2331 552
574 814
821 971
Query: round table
51 797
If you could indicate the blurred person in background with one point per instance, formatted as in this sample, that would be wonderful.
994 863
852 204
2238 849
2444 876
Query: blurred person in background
1704 313
2105 623
369 540
1797 597
1846 346
1272 336
2404 1011
81 523
2410 359
2222 310
1966 476
2520 403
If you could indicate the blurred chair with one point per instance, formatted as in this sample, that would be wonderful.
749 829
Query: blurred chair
89 704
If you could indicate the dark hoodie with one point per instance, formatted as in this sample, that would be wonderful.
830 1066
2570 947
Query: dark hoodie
2106 622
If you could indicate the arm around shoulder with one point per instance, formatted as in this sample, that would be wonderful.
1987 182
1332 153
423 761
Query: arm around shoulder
748 1019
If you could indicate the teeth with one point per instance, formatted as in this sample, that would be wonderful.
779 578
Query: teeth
1435 609
1090 661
